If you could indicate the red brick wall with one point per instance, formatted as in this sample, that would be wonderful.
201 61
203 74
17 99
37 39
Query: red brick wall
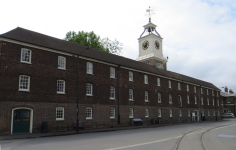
43 97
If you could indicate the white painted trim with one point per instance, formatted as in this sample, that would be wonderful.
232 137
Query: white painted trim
31 118
28 90
190 83
102 62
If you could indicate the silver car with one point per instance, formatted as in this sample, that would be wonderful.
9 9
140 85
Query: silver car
228 115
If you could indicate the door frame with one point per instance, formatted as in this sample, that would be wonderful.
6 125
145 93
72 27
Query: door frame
31 118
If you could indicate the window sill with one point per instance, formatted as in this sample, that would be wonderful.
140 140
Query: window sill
89 95
147 101
24 90
146 117
112 118
90 73
146 83
61 93
159 102
131 100
170 103
131 81
60 120
89 118
113 99
62 68
26 62
171 116
112 78
131 117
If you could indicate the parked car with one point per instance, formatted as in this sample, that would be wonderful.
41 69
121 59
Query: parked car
228 115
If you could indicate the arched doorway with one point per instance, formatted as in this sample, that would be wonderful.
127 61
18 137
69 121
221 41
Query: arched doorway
22 120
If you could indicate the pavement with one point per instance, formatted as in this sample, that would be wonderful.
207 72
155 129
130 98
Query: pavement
51 134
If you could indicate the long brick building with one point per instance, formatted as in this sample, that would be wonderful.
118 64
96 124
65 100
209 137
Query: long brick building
39 82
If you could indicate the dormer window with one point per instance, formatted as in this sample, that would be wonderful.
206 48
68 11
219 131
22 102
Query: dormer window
149 63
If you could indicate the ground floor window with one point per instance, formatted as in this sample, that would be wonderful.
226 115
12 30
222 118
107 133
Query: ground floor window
159 112
112 113
131 112
59 113
171 113
146 112
89 112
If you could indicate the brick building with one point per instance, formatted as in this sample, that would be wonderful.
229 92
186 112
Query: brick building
38 76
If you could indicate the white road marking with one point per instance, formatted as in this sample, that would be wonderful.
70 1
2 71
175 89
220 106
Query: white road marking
143 143
226 136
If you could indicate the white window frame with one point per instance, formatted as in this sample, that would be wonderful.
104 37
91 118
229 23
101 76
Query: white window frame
195 99
171 113
201 91
112 72
179 87
213 93
213 102
131 94
131 113
89 69
203 113
218 103
158 82
208 101
170 99
214 114
202 101
57 113
131 76
64 87
195 90
145 79
146 113
187 87
159 113
159 97
112 92
180 113
207 92
61 62
146 96
22 84
188 101
189 113
21 59
89 89
209 113
169 82
89 110
112 113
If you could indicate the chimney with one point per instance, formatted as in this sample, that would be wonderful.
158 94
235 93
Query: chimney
226 89
231 91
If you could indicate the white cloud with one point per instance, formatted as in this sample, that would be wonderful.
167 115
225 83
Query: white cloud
199 36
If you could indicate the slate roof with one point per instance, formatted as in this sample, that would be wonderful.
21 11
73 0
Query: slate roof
31 37
224 94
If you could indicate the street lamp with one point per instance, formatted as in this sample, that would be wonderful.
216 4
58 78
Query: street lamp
77 119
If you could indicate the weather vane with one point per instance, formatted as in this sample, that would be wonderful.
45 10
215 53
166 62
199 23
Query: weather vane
149 13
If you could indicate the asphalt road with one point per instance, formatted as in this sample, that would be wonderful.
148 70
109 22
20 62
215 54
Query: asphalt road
160 138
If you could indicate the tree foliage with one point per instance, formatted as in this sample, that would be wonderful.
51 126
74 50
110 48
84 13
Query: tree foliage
92 40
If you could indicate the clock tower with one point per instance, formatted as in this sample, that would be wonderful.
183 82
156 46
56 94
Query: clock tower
150 47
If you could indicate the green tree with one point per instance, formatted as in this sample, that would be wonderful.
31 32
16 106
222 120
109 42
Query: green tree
90 39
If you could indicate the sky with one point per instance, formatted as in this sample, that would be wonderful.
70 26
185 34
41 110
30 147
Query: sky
199 36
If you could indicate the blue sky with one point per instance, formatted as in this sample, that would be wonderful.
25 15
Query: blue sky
198 36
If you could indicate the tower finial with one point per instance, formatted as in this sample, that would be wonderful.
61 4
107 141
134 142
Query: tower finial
149 13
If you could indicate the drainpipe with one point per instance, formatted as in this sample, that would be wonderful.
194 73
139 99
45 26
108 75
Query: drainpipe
118 93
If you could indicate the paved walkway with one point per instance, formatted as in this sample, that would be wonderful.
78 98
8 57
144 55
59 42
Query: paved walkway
38 135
